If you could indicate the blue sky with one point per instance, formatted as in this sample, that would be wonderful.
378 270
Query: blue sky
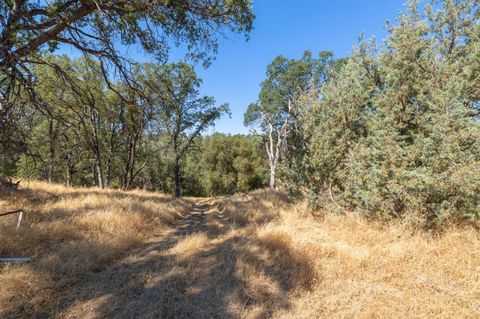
282 27
288 28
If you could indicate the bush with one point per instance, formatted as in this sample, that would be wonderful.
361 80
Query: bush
397 131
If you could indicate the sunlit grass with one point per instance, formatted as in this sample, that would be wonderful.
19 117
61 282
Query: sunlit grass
254 256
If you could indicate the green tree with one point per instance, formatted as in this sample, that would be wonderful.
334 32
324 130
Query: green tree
80 103
274 114
30 30
30 27
232 164
396 131
173 91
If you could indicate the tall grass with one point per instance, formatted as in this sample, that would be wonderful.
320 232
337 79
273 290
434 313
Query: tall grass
103 253
70 233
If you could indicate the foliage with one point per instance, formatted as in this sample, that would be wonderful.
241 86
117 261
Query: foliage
396 131
86 134
30 28
172 92
273 116
232 164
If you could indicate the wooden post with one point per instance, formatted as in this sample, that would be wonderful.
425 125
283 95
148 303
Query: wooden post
20 216
19 222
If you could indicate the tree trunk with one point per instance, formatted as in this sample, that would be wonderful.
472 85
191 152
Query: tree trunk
111 155
177 178
70 170
95 146
129 170
69 177
272 177
108 172
51 162
98 163
98 166
94 174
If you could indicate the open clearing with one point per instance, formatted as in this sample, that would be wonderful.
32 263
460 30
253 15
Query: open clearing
104 253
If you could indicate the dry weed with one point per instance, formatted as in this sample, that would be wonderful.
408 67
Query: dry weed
253 256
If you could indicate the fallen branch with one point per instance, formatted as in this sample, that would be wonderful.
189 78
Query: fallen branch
10 184
11 212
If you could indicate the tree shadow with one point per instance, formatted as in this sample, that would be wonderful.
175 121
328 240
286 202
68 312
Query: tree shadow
233 274
228 279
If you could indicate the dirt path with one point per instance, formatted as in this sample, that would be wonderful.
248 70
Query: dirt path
202 267
195 221
154 283
203 214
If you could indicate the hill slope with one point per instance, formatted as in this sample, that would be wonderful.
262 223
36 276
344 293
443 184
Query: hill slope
104 253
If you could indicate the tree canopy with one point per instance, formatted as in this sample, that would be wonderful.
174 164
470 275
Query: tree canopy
172 92
99 27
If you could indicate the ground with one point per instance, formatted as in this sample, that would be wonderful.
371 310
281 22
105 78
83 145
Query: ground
111 254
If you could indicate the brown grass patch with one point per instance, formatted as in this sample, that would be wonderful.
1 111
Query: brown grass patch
71 235
254 256
189 246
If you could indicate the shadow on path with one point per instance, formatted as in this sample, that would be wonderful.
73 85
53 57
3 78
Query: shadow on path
230 274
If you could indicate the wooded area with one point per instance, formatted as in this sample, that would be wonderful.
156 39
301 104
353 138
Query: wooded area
353 192
391 131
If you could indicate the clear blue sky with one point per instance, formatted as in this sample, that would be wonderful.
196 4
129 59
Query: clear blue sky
288 28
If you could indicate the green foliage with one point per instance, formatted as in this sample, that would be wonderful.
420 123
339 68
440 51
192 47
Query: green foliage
88 135
232 164
396 131
286 80
391 131
31 28
274 115
172 93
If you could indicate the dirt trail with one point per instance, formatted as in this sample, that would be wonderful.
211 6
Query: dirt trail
195 221
153 282
203 259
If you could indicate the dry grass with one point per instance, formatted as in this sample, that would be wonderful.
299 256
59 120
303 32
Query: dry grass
121 255
69 235
386 271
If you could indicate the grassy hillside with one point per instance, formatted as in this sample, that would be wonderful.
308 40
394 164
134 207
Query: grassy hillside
104 253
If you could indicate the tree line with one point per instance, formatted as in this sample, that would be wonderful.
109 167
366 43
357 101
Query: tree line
103 119
391 131
85 134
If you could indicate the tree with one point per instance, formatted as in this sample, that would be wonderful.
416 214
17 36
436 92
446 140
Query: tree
30 30
80 103
29 27
232 164
274 113
173 91
127 119
332 119
396 131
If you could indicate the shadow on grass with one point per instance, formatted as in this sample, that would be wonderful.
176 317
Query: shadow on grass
234 273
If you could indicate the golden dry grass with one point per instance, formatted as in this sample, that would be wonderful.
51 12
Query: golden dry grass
74 233
113 254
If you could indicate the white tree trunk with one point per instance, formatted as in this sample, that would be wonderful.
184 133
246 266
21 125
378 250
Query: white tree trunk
272 178
274 148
